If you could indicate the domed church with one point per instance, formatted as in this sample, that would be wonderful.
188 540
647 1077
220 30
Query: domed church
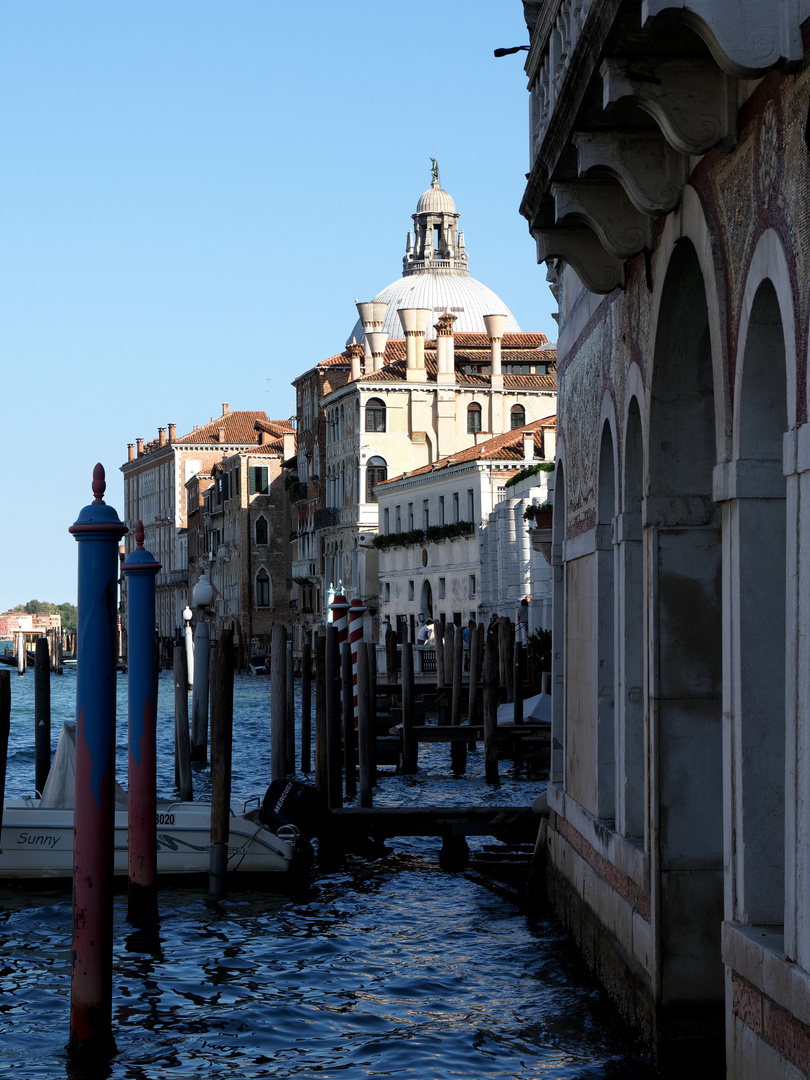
436 274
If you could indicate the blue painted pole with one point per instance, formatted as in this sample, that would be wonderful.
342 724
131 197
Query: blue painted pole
141 569
98 531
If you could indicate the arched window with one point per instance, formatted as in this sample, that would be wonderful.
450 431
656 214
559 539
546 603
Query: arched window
517 416
473 418
261 530
376 472
342 423
264 590
375 415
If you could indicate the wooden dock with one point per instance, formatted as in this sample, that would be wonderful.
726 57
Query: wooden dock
512 824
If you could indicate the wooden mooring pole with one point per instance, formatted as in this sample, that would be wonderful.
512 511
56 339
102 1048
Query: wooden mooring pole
42 714
278 703
349 732
410 746
458 748
365 733
491 709
306 707
221 753
321 779
5 729
182 745
334 778
289 738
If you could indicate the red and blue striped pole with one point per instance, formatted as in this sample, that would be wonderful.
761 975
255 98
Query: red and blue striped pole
141 569
98 530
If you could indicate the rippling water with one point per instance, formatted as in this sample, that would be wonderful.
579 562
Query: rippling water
390 968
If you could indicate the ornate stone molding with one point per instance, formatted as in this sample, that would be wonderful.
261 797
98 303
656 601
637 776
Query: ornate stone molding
579 246
647 167
605 207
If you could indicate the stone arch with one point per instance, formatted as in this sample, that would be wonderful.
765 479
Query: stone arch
684 630
605 627
754 517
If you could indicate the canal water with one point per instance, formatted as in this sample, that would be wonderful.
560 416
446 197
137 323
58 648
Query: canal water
390 968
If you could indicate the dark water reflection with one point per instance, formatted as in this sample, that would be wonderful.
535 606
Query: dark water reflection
392 968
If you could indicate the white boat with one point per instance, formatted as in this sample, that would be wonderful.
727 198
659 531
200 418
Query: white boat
37 833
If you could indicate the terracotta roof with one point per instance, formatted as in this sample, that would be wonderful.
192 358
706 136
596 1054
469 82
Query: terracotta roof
505 447
238 425
395 371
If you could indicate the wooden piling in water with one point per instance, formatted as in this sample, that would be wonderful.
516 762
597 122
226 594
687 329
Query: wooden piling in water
334 779
410 747
5 729
289 741
306 707
42 714
505 647
476 662
371 656
458 750
441 698
182 746
221 753
200 693
321 780
278 702
365 734
349 731
491 709
391 654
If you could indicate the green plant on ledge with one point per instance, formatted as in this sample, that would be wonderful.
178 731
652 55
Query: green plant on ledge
450 531
532 470
533 511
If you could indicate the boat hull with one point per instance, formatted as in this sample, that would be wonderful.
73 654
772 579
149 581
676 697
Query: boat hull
38 842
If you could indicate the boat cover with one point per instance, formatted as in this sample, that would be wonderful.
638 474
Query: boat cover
60 787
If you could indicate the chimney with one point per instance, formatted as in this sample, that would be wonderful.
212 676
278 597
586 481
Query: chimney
414 323
495 325
549 443
161 436
221 434
445 354
225 408
289 444
377 340
528 445
130 451
355 352
140 446
172 432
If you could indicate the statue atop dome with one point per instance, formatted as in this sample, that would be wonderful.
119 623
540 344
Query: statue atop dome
434 173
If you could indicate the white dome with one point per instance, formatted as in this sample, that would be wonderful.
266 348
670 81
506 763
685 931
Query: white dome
435 201
467 299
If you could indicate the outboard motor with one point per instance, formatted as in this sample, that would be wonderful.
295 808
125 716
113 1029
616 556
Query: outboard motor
289 802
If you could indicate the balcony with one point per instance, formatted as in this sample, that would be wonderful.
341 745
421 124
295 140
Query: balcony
622 97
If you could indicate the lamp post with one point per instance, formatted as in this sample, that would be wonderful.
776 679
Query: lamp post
201 596
187 613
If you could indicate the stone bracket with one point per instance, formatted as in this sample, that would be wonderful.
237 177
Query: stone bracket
691 100
604 205
745 38
580 247
651 172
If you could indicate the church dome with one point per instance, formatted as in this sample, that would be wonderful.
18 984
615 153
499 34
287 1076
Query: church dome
436 275
436 201
469 300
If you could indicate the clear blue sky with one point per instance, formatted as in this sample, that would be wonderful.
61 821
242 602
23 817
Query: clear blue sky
194 193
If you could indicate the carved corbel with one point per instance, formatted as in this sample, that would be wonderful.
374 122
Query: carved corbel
745 39
602 204
650 171
691 100
579 246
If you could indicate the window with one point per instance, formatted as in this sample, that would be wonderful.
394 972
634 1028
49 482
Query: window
425 515
517 416
441 509
455 507
442 588
473 418
471 585
257 480
261 530
375 415
410 517
376 472
387 592
386 521
410 590
262 589
470 504
397 519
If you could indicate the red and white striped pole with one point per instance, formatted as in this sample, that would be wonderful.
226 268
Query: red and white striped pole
357 610
340 608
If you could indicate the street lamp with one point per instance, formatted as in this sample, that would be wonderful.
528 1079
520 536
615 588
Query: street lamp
189 645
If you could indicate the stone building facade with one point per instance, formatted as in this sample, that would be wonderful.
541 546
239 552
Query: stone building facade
667 197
